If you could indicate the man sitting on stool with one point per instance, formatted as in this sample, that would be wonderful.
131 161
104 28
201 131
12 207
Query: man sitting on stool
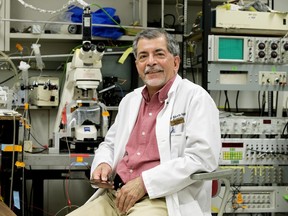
164 132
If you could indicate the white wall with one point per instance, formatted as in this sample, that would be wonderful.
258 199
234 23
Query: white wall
281 5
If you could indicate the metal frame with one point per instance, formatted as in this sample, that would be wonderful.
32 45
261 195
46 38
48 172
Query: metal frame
219 174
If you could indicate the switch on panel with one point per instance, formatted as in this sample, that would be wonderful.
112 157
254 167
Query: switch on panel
272 78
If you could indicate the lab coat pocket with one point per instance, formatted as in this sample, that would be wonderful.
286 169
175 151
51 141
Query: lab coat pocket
191 209
177 144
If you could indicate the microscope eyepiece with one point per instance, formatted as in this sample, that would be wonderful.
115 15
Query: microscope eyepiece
86 46
100 47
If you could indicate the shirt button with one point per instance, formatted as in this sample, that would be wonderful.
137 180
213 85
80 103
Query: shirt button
143 133
131 170
150 114
138 153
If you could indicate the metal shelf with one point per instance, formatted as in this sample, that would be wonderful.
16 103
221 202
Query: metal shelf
248 31
190 2
62 37
197 36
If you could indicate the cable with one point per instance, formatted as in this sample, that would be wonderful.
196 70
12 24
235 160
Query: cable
65 207
7 58
192 69
121 90
37 152
111 17
270 103
66 188
31 194
259 103
285 127
45 147
263 103
9 78
276 103
128 28
83 3
180 18
286 105
13 162
237 97
227 104
23 182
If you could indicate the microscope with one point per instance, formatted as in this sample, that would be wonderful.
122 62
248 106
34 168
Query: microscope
82 120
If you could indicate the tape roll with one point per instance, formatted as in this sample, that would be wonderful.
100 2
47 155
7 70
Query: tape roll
72 29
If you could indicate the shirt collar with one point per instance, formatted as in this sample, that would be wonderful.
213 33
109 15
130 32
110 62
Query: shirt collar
162 93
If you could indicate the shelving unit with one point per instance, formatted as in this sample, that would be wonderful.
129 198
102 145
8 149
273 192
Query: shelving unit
208 29
11 18
256 69
61 37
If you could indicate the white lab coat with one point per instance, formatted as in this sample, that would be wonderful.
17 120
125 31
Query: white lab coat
185 148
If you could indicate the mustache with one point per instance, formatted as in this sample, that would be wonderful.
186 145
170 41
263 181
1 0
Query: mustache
153 69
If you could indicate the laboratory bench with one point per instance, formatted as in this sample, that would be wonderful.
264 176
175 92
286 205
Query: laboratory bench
45 166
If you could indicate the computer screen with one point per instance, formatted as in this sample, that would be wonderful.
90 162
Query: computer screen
123 76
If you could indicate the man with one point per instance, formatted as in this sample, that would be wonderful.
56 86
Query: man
163 133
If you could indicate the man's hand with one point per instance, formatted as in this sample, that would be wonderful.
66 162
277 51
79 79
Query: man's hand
100 176
129 194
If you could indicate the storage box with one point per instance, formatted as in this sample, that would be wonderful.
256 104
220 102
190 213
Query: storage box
251 20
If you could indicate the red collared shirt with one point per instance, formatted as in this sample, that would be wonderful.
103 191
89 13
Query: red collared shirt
142 150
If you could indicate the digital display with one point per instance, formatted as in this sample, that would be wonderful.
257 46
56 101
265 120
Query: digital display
232 145
231 48
267 121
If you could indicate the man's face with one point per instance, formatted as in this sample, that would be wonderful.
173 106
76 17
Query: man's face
155 64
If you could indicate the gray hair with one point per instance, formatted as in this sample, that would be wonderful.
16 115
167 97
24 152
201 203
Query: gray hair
172 44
